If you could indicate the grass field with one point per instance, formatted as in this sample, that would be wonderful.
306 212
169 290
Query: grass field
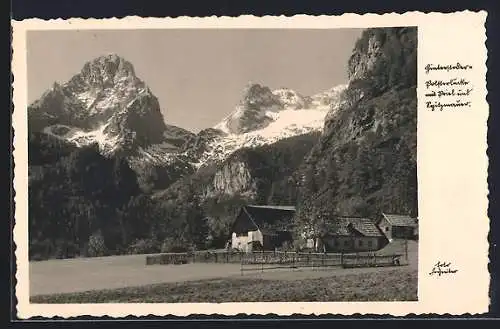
126 279
83 274
393 285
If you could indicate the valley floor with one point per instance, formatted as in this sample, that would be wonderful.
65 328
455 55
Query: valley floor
128 279
383 285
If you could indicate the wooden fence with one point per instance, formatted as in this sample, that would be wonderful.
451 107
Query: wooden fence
266 260
261 261
195 257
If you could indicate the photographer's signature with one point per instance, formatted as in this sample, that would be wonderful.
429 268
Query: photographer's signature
442 268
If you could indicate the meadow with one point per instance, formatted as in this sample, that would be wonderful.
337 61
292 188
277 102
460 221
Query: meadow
393 285
126 279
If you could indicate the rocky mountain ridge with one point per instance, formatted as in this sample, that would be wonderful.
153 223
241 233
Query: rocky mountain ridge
107 104
265 117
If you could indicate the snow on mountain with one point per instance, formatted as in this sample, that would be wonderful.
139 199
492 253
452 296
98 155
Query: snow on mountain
290 99
328 99
296 115
105 103
250 113
259 106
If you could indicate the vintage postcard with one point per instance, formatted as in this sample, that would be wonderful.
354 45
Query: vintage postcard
258 165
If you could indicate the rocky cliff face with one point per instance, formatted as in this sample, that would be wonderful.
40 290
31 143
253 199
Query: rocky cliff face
106 103
263 117
364 57
260 107
365 160
251 112
231 178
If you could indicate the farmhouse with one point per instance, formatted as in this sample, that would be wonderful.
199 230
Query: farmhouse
351 234
398 226
262 227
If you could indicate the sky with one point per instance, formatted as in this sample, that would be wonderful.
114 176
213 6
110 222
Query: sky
198 75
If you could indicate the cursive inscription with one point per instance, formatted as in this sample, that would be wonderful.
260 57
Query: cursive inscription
443 92
447 68
442 268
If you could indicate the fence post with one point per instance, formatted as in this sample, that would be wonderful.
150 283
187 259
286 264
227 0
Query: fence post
406 249
262 261
342 259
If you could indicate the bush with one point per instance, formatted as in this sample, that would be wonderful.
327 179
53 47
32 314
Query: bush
287 246
96 245
172 245
143 246
256 246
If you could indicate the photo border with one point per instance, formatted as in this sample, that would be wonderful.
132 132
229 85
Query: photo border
268 17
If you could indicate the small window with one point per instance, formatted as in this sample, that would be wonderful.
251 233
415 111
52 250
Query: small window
346 243
370 243
360 243
387 229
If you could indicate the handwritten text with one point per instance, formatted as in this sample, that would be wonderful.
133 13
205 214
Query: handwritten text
450 92
442 268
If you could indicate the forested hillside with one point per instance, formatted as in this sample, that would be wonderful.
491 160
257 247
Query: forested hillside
365 161
80 203
84 204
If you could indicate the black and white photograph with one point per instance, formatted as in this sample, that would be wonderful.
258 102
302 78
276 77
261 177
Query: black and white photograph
222 165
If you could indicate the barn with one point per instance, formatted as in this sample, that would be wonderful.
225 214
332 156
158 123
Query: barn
398 226
352 234
262 227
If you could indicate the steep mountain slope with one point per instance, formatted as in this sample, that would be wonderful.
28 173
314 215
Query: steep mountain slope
365 160
264 117
260 107
108 105
104 103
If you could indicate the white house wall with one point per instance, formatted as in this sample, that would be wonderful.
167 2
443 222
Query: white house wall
241 242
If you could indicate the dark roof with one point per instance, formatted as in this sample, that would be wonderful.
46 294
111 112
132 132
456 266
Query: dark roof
270 217
400 220
344 226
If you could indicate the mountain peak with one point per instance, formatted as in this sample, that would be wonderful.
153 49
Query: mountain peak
107 69
112 59
254 92
263 108
106 102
